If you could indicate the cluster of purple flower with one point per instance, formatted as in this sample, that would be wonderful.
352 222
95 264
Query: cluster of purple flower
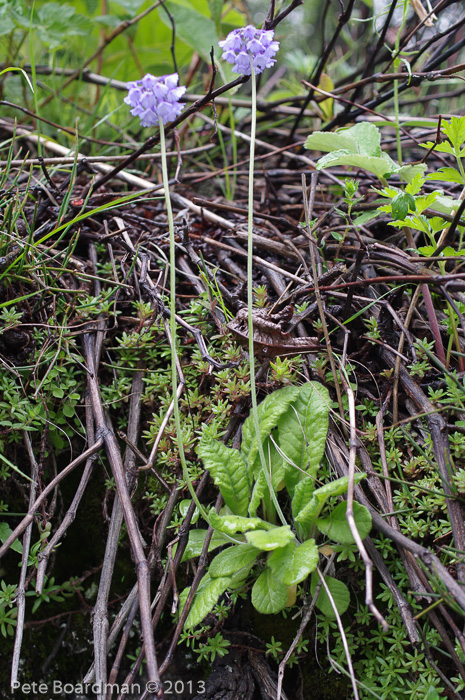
155 99
242 45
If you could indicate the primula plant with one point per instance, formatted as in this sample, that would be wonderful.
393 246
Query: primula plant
251 50
260 544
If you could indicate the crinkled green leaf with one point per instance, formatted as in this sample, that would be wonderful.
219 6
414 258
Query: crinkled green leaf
205 599
302 431
269 411
302 495
231 560
310 512
230 524
229 473
259 489
294 562
269 596
339 592
336 527
196 541
271 539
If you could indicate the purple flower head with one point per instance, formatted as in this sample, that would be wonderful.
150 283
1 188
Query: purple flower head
153 99
243 44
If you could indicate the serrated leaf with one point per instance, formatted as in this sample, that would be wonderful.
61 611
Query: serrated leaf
339 592
310 512
444 147
230 524
266 541
196 541
231 560
302 431
454 130
269 411
447 175
229 473
269 596
336 527
206 598
293 563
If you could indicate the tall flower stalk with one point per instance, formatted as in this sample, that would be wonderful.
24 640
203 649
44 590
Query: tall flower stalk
157 101
251 50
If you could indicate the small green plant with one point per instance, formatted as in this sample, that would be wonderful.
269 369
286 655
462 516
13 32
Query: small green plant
263 547
360 147
213 647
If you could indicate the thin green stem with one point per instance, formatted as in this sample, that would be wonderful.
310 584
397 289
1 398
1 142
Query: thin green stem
174 375
250 297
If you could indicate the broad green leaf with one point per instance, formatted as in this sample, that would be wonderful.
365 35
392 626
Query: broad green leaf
379 166
269 411
363 138
401 204
309 513
258 492
231 560
184 506
409 172
445 205
302 431
196 541
216 9
205 599
293 563
269 595
339 592
5 532
229 473
194 28
327 141
336 527
230 524
302 495
271 539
